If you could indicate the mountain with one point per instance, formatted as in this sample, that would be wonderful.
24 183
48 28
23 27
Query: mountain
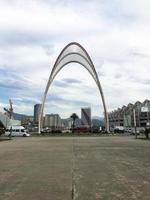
18 116
97 121
97 117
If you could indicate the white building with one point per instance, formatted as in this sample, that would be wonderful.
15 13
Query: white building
52 121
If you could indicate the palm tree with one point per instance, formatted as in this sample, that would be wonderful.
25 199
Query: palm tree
74 116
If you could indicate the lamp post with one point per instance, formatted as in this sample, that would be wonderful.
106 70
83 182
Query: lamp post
134 117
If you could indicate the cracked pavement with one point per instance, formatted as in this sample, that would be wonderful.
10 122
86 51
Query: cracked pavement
79 168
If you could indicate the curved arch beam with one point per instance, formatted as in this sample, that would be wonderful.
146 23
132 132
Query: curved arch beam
84 59
74 60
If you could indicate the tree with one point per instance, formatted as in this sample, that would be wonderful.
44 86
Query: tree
74 116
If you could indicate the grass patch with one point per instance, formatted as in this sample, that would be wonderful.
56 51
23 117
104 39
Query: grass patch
144 139
81 134
2 139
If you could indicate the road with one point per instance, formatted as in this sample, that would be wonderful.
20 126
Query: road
79 168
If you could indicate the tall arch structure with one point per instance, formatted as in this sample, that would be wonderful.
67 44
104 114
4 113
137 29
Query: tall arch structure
74 52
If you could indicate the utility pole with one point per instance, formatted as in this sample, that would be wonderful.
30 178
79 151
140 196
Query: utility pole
134 117
147 114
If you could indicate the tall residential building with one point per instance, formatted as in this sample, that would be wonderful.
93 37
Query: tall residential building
53 121
37 108
86 117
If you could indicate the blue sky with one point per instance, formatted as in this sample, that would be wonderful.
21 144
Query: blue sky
114 32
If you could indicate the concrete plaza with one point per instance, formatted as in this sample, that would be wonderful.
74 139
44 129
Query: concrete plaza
79 168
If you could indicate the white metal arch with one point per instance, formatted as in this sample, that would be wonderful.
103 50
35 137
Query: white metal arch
74 52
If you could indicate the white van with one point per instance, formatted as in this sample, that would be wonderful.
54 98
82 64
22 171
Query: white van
17 131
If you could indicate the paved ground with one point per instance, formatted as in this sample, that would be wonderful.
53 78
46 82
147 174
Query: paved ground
79 168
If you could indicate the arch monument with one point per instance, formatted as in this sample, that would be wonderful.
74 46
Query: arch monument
73 52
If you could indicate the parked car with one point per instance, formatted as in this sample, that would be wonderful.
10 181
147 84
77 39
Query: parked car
119 129
46 130
128 130
133 132
66 131
16 131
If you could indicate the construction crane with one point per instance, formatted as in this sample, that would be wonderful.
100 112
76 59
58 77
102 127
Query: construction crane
11 108
9 113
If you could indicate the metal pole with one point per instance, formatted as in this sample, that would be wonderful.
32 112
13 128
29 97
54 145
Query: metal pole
147 114
134 123
11 125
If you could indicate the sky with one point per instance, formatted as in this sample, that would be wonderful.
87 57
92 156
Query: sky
115 33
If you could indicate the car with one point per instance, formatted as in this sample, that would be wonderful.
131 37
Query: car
128 130
119 129
66 131
46 130
16 131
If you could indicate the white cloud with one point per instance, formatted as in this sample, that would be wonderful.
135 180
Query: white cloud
115 33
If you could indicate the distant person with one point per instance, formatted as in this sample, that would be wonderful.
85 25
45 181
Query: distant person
147 132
